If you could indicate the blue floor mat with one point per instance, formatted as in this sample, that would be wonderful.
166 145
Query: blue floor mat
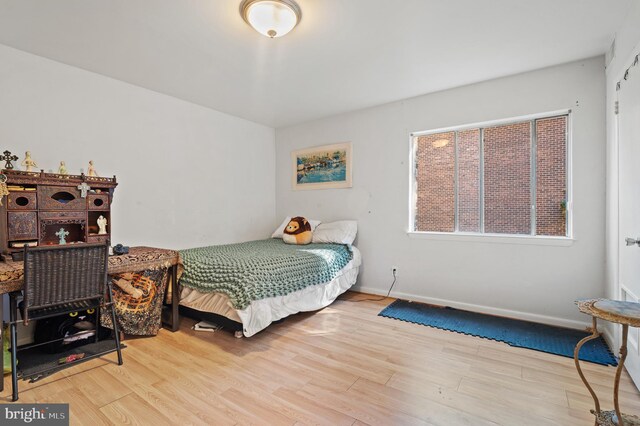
522 334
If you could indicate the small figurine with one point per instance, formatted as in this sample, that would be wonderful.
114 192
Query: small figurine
62 234
102 225
91 170
8 158
28 162
62 169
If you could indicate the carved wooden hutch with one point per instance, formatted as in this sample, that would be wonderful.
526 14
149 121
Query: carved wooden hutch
39 204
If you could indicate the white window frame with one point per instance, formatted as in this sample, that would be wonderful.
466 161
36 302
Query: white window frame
489 237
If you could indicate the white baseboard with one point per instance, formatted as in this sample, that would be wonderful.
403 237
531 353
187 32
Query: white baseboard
527 316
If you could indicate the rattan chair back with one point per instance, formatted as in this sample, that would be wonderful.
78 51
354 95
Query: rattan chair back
57 275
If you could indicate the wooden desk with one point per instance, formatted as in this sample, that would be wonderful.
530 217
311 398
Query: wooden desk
139 259
627 314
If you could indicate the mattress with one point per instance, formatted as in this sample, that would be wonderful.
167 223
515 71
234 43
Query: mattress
260 313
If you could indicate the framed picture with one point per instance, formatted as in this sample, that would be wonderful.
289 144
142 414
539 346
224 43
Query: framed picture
322 167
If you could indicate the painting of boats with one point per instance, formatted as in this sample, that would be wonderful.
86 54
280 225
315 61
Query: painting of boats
322 167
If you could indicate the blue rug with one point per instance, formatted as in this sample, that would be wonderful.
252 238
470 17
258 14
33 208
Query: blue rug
522 334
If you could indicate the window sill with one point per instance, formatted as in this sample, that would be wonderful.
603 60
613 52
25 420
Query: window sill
493 238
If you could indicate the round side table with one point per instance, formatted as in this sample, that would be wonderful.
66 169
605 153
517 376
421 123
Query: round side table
627 314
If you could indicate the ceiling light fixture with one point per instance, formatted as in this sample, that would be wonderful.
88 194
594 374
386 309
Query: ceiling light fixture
273 18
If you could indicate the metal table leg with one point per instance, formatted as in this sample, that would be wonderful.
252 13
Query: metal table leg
615 416
576 359
623 356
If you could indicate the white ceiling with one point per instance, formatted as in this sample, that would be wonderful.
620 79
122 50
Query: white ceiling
344 55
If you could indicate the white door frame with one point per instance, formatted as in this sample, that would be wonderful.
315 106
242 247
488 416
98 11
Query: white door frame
611 330
619 291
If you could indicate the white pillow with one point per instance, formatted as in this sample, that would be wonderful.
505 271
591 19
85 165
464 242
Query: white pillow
280 230
340 232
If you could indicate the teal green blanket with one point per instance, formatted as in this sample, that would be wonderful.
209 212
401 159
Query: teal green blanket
260 269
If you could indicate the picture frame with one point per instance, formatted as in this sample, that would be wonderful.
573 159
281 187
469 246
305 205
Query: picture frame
322 167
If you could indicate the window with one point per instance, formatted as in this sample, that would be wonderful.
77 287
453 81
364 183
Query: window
501 178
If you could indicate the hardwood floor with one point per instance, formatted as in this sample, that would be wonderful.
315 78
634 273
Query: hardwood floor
343 365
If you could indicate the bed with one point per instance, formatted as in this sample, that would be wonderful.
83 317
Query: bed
250 285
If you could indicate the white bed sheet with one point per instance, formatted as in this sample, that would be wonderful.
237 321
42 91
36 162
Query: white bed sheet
260 313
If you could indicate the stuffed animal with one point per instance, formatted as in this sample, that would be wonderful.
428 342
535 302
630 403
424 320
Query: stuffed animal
298 231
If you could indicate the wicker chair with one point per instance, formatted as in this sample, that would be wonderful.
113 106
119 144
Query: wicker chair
60 280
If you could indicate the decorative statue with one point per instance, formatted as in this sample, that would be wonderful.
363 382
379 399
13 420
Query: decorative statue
8 158
62 234
91 170
28 162
62 169
102 225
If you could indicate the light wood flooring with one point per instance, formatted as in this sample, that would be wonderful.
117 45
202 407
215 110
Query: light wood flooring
343 365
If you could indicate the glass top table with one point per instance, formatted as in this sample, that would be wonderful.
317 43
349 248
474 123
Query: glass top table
619 312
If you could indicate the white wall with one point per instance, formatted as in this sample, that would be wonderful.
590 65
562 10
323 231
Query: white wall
529 281
627 46
188 175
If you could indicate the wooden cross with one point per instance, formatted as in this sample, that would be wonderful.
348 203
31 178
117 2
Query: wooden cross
62 234
8 158
83 187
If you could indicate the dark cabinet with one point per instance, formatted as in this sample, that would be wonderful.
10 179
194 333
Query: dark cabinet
22 226
40 204
60 198
22 201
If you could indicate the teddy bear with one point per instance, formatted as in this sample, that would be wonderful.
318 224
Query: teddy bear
298 231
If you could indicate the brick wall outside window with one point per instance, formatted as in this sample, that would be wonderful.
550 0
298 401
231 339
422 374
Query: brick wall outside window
444 160
551 176
507 179
435 179
469 180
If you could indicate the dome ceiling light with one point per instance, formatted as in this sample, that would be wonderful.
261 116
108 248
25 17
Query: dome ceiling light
273 18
